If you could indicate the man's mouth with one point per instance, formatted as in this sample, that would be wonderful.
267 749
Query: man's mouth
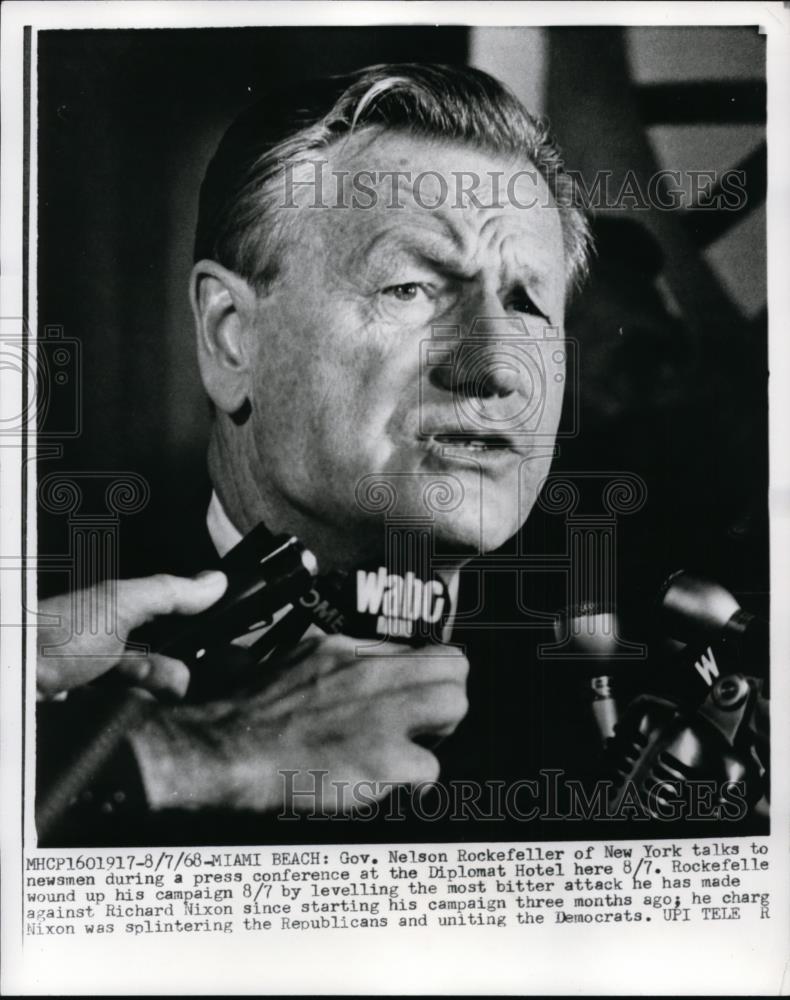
474 442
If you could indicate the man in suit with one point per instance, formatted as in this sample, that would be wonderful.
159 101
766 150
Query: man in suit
381 269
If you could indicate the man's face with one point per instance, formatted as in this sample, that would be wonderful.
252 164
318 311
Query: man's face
402 362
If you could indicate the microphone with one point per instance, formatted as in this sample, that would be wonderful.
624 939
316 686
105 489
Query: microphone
273 584
707 729
700 612
384 602
658 748
588 632
719 638
265 573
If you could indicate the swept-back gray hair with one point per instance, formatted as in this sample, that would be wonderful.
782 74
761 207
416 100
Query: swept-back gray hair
238 198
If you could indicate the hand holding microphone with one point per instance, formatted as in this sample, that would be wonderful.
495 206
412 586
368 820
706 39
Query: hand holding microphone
352 708
70 656
260 575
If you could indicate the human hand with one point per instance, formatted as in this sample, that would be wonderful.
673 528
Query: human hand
88 634
328 706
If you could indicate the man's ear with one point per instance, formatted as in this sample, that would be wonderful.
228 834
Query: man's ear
223 305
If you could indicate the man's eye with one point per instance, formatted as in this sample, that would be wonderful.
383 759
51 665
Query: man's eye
407 292
521 302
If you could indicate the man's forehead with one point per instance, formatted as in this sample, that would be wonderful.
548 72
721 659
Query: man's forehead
424 166
446 193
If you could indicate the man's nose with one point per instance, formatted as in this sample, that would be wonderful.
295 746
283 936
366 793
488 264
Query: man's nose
486 352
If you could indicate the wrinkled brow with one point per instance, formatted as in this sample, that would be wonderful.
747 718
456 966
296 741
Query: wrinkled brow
448 247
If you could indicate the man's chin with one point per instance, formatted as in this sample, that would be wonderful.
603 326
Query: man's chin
467 538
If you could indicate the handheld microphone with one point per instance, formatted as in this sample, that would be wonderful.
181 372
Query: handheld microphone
265 574
377 602
273 584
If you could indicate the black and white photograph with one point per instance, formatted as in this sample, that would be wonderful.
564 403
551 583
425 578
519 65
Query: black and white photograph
395 477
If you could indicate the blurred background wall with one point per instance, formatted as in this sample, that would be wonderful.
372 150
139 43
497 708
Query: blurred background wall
672 326
701 103
672 329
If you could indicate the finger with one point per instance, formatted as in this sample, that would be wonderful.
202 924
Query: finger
408 676
50 677
397 718
143 599
56 672
69 656
401 762
162 675
73 643
341 646
433 710
336 673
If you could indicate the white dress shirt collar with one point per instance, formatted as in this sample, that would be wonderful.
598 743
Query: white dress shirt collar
224 535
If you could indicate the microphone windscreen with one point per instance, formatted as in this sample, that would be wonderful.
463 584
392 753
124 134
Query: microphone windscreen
376 602
587 630
694 609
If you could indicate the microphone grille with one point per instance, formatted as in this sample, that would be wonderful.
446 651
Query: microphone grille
587 609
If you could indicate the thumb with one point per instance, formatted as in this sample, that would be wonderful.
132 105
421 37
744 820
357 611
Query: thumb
141 600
